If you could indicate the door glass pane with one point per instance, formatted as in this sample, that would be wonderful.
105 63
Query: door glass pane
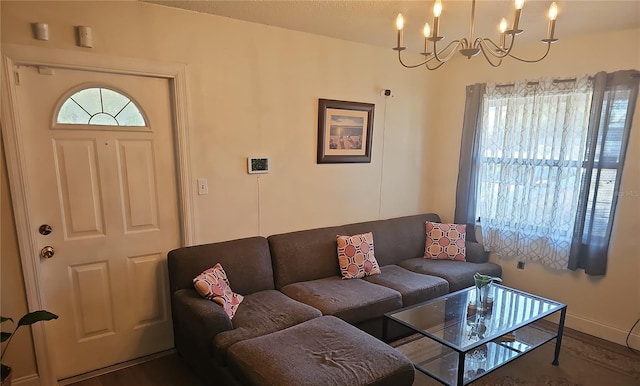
130 116
113 102
70 112
103 119
89 99
100 106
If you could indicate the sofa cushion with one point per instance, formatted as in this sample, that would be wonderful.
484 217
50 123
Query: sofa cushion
323 351
262 313
459 274
396 239
213 285
445 241
351 300
305 255
414 287
247 263
356 256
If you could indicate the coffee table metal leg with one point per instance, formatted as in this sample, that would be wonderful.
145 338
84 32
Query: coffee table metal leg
460 369
563 313
385 325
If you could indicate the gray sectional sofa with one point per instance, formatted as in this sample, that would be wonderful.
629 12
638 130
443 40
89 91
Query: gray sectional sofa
292 278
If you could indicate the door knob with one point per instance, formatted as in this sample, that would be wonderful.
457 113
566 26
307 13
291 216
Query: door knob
47 252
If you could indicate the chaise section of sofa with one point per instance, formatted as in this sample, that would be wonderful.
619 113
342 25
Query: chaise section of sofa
203 332
322 351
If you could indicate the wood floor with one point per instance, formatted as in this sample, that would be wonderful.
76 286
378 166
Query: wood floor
167 370
170 370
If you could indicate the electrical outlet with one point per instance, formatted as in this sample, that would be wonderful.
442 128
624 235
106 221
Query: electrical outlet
520 265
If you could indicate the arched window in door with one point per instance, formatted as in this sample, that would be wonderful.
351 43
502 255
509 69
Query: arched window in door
100 106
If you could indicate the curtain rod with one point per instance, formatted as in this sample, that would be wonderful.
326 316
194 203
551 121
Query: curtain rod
534 83
633 74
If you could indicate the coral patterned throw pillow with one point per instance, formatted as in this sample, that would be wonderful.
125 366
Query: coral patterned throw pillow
213 284
445 241
355 256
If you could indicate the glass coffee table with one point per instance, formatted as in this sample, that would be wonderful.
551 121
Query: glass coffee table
458 344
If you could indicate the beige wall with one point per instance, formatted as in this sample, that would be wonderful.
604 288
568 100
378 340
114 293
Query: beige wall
253 90
604 306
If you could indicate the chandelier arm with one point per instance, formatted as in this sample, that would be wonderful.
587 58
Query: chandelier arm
488 58
488 45
411 65
433 68
447 47
534 60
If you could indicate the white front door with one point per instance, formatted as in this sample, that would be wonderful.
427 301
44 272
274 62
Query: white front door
108 193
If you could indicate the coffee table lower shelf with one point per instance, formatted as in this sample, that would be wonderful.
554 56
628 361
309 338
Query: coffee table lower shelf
441 362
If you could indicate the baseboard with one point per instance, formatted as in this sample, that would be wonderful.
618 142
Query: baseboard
116 367
602 331
27 380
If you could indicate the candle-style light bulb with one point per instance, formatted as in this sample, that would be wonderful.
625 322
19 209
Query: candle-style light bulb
427 30
427 34
503 25
553 14
503 29
516 20
437 8
553 11
399 22
399 26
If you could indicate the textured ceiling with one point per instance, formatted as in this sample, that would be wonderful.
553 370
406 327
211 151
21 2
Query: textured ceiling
373 22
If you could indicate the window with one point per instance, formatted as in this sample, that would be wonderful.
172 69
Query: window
541 165
100 106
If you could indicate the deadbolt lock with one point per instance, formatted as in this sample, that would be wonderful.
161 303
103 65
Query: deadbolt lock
45 229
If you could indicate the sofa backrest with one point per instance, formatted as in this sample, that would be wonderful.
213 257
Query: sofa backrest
305 255
247 263
312 254
396 239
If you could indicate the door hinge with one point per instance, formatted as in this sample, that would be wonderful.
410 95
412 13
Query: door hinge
16 78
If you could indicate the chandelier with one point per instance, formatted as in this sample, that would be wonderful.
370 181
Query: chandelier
492 51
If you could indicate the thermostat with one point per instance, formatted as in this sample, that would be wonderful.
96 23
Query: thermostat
257 165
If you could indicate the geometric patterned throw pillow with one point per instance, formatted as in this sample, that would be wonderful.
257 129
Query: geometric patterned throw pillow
213 284
445 241
355 256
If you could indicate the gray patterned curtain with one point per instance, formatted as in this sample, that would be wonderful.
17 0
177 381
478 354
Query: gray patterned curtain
537 166
614 102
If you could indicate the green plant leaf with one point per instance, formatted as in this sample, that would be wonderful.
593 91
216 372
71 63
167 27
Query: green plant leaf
36 316
5 336
3 319
484 280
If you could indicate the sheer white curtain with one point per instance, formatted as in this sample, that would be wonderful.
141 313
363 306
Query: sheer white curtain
531 148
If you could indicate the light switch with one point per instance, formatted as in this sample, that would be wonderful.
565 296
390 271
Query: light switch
203 188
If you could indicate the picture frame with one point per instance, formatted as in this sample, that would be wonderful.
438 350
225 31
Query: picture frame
345 131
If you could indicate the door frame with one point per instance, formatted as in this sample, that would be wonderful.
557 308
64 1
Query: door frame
15 55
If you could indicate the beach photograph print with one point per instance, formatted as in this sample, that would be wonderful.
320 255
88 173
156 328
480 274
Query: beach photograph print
344 131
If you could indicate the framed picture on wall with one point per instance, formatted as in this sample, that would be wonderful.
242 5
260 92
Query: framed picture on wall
344 131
